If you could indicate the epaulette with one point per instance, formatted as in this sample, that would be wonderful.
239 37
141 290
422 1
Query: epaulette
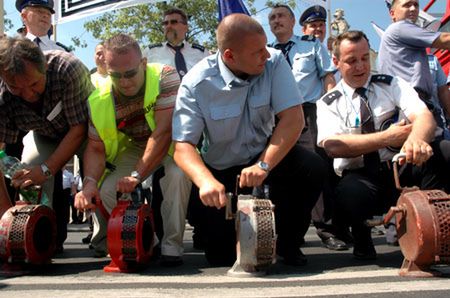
66 48
308 38
155 45
329 98
198 47
381 78
270 45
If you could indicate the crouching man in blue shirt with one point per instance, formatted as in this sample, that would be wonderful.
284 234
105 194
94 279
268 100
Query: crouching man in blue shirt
232 99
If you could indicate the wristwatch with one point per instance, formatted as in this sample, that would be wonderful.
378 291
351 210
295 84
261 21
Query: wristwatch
46 171
136 175
263 166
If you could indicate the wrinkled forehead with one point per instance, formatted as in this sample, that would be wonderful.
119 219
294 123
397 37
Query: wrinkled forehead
280 11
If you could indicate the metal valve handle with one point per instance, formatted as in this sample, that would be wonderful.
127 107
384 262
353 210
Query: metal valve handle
395 165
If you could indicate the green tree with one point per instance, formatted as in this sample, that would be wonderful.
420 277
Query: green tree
144 21
7 22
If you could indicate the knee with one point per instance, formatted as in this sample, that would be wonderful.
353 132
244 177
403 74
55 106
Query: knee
175 175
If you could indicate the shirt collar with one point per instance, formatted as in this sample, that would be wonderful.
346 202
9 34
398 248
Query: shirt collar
350 91
183 42
43 39
293 39
227 75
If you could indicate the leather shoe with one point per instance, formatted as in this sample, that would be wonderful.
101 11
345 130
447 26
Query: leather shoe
171 261
295 259
334 243
364 253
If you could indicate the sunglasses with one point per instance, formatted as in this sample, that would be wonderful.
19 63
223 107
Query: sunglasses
171 22
126 75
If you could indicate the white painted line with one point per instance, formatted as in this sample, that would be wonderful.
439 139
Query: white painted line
194 279
297 291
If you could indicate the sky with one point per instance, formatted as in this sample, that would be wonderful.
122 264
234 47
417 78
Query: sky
358 13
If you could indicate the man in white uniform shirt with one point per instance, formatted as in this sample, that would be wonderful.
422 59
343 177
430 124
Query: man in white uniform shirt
177 52
361 122
36 16
175 26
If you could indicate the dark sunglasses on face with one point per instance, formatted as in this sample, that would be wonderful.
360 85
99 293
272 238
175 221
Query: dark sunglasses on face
126 75
172 22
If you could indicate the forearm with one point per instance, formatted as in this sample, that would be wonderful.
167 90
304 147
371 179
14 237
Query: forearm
349 145
190 162
67 148
94 160
423 127
284 136
442 42
329 82
156 149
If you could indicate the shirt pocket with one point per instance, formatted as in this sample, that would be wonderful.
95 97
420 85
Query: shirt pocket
225 122
303 63
261 114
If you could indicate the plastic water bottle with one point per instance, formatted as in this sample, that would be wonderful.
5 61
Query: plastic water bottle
9 165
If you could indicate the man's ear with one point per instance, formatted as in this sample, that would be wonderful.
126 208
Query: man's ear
335 61
228 56
304 30
392 14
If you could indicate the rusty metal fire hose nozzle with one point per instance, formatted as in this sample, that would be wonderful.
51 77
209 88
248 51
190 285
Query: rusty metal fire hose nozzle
386 219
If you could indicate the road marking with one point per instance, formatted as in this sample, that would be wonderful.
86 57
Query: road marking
295 291
196 279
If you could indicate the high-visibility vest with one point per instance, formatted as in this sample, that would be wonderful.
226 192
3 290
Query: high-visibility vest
103 113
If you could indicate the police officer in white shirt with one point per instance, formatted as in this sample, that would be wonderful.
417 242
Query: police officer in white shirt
36 16
176 51
360 123
182 55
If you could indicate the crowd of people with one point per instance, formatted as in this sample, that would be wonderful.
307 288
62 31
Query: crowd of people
318 128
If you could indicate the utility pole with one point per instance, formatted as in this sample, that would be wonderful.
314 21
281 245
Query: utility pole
2 18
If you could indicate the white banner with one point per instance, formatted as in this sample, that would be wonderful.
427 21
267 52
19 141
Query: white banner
70 10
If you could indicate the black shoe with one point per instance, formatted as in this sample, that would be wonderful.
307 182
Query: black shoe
198 243
334 243
87 239
294 259
171 261
363 248
365 253
59 250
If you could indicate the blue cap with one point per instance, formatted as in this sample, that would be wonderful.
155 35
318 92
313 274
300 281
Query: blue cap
21 4
389 3
312 14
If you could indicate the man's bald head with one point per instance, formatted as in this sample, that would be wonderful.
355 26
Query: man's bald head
233 28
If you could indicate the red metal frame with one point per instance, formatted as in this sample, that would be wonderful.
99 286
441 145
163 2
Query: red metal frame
442 55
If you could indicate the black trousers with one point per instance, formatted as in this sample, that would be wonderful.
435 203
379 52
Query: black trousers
361 194
322 211
294 186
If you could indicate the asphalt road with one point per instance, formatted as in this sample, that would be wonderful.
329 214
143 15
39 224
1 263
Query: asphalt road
74 273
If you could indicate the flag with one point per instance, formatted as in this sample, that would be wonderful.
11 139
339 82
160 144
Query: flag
70 10
427 21
377 29
227 7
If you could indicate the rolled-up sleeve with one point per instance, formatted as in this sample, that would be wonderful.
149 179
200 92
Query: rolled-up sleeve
188 121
